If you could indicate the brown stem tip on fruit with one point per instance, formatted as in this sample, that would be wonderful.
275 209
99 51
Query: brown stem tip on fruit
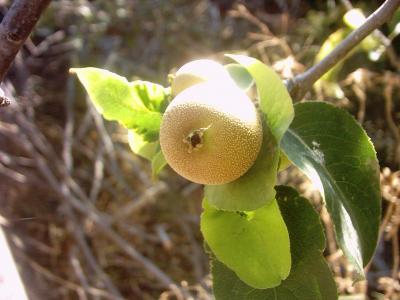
194 139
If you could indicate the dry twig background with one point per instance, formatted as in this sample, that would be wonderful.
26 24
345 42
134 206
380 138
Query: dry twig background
82 213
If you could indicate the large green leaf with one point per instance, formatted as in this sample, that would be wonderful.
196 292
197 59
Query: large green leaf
274 99
332 149
255 244
118 100
310 277
255 188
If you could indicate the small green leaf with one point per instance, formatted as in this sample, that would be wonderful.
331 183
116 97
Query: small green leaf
330 43
157 164
240 75
152 95
255 188
141 147
329 81
354 18
284 161
275 101
114 97
394 24
255 244
333 150
310 277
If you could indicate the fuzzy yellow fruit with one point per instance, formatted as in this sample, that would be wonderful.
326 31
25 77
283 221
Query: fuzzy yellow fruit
198 71
211 133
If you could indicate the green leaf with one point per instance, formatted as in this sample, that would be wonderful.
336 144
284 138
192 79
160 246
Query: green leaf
118 100
275 101
354 18
255 244
158 163
141 147
152 95
240 75
310 277
255 188
394 24
284 161
332 149
330 43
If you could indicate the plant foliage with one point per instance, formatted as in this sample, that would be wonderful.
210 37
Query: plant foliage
266 242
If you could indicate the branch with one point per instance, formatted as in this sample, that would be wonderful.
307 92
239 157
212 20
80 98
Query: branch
301 84
16 26
386 42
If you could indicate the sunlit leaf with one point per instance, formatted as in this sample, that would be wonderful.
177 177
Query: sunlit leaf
309 278
255 244
118 100
255 188
333 150
141 147
240 75
274 99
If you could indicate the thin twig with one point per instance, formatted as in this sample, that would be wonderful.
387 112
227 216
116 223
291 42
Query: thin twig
301 84
90 257
13 174
31 138
110 151
395 245
98 174
242 12
65 283
104 226
388 93
16 26
76 265
196 255
76 229
391 53
147 197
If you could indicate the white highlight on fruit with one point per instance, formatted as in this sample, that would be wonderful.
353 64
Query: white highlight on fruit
198 71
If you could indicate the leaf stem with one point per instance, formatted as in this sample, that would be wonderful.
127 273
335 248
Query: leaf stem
302 83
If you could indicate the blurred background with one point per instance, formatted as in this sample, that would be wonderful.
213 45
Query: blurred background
83 216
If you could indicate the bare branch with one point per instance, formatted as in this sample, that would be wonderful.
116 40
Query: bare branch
391 53
16 26
299 85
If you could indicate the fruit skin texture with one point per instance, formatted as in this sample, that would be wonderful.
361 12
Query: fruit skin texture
198 71
230 133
